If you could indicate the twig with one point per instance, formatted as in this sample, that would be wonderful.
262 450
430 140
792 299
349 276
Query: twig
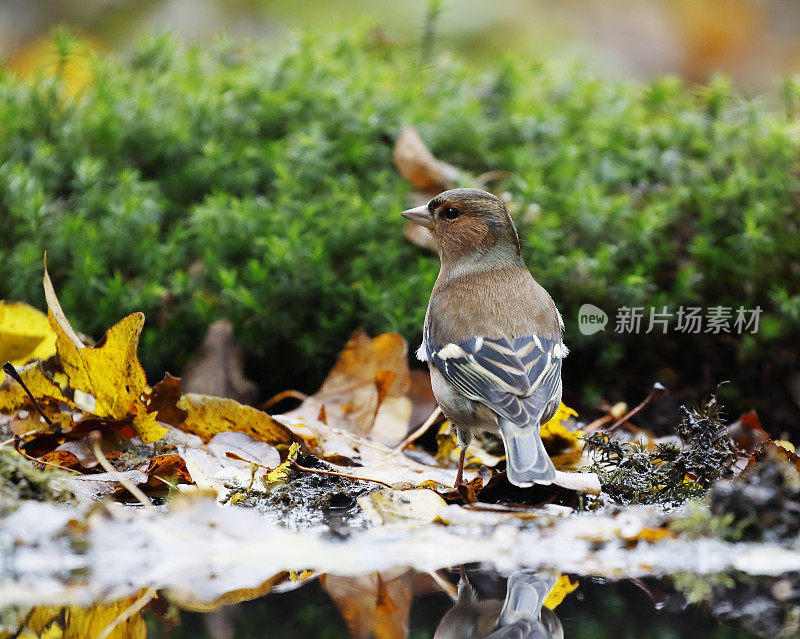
94 438
419 432
131 610
12 372
305 469
597 423
13 439
293 394
657 392
297 466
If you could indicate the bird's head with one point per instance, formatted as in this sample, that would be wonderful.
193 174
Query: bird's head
466 222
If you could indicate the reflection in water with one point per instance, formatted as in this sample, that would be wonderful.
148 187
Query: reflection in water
521 616
406 603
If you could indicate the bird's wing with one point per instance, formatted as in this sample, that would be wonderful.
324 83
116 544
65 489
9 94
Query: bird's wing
516 378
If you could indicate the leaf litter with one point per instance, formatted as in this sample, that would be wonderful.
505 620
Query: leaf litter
333 487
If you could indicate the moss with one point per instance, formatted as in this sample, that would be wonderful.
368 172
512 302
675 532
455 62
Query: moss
257 185
669 473
20 481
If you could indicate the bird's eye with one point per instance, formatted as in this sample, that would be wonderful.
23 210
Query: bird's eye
451 213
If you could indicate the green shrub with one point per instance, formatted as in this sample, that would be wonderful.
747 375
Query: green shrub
257 185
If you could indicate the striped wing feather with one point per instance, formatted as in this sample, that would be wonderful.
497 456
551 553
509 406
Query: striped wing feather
517 378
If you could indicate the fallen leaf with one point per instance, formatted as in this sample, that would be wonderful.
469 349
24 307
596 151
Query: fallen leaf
74 622
163 400
170 467
206 416
62 458
651 534
25 334
41 386
374 605
110 372
366 386
556 437
419 166
386 506
559 592
280 472
785 444
41 444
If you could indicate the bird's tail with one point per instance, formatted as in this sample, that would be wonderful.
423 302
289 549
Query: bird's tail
527 462
526 593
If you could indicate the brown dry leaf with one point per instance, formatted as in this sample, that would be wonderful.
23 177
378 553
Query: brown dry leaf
163 400
111 429
419 166
420 236
780 452
206 416
62 458
421 395
111 372
170 468
375 605
25 334
370 376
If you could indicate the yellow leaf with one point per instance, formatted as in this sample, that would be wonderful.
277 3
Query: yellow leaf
12 397
110 373
651 534
72 622
236 498
556 437
559 592
206 416
148 429
295 576
279 473
447 447
25 334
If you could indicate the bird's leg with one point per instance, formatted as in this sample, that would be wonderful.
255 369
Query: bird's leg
464 437
460 474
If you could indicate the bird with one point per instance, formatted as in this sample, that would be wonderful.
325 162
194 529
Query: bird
521 616
492 337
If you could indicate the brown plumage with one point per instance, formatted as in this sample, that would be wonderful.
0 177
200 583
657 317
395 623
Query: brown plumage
492 334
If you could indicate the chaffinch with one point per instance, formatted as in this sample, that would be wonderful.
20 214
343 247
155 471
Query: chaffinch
492 336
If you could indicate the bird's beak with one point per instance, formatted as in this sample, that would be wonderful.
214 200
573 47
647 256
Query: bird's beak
419 215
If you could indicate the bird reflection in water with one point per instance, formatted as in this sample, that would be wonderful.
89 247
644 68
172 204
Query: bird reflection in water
520 616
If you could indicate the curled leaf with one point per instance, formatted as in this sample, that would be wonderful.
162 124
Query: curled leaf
419 166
